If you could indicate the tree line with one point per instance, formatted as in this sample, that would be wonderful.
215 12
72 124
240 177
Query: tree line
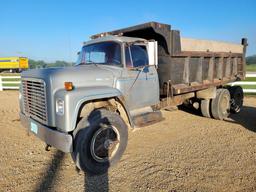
42 64
251 60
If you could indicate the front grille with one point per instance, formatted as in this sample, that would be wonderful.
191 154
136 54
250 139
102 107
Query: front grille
34 99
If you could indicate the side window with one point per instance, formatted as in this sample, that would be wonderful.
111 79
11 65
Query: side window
128 58
139 55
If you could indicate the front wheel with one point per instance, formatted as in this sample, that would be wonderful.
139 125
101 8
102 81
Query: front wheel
99 141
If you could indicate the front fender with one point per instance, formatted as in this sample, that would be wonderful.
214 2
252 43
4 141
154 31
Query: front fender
75 98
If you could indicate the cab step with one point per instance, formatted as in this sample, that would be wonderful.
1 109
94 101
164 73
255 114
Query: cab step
148 118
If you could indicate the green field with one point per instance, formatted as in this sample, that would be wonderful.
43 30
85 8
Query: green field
10 74
251 67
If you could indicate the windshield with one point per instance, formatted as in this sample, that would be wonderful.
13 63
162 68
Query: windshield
100 53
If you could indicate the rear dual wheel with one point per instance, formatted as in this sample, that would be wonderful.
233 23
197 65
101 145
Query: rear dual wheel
205 108
219 107
237 98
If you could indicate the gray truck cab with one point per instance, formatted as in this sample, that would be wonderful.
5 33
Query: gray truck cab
114 80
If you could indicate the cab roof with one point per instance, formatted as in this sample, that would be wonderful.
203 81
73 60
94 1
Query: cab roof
114 38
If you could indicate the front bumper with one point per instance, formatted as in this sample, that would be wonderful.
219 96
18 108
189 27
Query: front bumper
57 139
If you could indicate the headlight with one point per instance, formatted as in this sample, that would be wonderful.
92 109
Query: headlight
60 107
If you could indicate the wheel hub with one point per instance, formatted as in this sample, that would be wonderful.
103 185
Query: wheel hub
225 105
108 144
105 143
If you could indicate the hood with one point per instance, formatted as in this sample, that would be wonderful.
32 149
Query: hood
80 76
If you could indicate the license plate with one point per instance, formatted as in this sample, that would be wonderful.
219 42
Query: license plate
33 127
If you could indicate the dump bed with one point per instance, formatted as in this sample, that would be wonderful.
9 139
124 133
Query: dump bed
185 64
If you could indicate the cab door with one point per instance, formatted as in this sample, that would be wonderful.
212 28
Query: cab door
140 79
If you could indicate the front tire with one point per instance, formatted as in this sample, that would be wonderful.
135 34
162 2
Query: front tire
99 141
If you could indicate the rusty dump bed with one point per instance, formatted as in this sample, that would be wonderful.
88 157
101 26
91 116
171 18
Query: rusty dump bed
185 64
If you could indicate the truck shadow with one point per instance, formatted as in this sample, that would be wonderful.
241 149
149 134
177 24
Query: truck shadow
95 183
246 118
190 109
48 181
91 183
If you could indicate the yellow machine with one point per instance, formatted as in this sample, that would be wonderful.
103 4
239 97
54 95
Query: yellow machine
13 64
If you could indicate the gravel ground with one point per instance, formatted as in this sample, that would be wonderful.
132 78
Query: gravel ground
185 152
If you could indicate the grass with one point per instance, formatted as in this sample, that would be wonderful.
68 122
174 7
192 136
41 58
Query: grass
11 85
250 79
251 67
16 79
248 86
10 74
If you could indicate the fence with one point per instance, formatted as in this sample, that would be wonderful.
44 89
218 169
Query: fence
246 90
246 84
12 82
9 82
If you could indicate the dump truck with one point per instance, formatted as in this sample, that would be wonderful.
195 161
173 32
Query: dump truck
13 64
122 80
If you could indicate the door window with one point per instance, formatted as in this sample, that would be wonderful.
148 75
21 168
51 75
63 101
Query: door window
139 55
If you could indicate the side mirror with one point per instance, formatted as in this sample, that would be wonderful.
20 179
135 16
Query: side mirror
152 53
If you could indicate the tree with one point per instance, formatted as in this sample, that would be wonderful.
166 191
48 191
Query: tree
42 64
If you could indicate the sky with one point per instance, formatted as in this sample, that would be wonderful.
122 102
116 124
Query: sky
53 30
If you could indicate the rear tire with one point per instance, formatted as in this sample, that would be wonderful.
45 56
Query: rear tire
237 98
99 141
205 108
220 105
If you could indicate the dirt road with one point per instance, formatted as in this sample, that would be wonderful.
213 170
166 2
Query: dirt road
186 152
